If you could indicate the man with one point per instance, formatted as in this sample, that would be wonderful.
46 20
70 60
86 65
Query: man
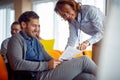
38 34
26 53
15 28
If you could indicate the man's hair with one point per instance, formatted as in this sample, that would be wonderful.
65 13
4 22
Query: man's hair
15 23
25 17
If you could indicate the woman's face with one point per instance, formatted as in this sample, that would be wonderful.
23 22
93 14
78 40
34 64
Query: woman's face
67 13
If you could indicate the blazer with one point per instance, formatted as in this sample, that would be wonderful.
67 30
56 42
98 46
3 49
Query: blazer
16 54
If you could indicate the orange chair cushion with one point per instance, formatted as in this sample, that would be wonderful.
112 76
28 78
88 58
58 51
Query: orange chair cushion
85 52
55 53
3 69
88 53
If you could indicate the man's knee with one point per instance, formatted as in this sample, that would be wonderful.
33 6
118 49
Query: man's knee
84 58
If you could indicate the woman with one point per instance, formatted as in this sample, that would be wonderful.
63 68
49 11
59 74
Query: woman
86 18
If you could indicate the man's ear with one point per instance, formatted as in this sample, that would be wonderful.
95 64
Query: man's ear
23 24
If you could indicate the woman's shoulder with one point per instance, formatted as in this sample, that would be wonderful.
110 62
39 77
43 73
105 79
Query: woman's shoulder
89 8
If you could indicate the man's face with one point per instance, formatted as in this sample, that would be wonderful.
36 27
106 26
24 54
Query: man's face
38 32
15 29
32 27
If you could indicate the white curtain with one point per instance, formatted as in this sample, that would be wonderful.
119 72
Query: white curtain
6 19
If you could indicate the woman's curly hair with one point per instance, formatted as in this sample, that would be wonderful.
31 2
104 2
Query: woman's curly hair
75 5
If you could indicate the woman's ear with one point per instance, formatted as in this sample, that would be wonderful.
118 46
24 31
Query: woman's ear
23 25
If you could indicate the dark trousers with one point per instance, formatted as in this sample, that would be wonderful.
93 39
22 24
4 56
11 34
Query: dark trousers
20 75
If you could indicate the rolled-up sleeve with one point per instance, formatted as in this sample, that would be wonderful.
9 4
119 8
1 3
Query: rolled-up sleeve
97 21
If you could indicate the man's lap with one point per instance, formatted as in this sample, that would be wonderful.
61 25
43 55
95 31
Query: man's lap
67 70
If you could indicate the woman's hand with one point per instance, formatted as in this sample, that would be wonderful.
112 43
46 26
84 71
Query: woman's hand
83 45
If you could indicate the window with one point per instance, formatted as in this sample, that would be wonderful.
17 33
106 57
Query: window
6 19
45 11
98 3
52 26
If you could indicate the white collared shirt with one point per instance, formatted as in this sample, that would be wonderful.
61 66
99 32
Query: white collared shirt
90 21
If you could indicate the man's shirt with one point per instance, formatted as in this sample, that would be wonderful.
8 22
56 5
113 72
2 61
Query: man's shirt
33 52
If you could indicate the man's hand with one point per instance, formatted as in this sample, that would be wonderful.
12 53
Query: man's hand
53 63
83 45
